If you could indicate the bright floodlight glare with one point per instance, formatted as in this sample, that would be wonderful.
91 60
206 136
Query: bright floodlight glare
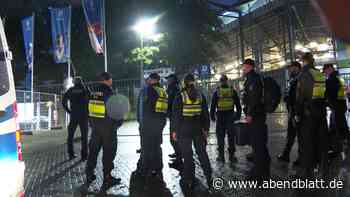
145 27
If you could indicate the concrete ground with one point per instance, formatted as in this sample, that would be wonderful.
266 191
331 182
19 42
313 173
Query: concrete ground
49 173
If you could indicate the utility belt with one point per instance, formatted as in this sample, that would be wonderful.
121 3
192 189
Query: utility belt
191 118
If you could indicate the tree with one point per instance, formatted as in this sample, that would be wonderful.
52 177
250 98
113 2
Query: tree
192 31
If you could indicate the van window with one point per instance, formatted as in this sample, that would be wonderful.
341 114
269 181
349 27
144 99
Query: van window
4 77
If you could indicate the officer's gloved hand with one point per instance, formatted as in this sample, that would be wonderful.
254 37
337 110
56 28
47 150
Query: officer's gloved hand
296 120
174 136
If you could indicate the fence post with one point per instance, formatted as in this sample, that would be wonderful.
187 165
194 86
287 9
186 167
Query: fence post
38 116
49 116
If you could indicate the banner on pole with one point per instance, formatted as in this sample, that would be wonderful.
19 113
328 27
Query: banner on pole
60 33
94 19
28 31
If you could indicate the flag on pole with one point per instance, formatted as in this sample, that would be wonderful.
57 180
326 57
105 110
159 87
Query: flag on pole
60 33
28 35
93 10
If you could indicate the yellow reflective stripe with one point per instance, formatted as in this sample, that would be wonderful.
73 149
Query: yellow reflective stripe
225 101
97 108
162 101
341 91
191 109
319 84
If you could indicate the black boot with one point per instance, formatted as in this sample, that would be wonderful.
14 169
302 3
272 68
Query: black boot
109 182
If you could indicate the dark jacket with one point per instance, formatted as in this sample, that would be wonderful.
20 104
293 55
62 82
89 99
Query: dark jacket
187 127
332 87
290 93
149 116
172 91
79 98
252 95
236 102
101 92
139 107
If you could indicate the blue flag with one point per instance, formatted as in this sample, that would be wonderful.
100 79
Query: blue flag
28 32
60 33
93 10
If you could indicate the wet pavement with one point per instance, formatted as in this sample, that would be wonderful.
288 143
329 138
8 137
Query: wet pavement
49 173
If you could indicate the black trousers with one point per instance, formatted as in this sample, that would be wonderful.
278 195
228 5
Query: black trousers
83 125
104 135
261 156
314 141
199 143
175 145
224 126
292 133
338 127
151 151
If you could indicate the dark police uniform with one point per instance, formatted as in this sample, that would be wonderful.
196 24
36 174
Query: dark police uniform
335 95
78 110
104 132
292 130
173 90
254 107
223 104
139 117
311 112
191 119
155 106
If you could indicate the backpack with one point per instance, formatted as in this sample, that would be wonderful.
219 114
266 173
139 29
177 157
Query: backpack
271 94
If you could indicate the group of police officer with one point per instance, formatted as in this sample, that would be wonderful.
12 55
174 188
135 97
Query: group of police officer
308 94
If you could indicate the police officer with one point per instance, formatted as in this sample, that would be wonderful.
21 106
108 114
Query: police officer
155 107
191 125
104 133
224 101
78 97
292 130
336 100
173 90
311 115
256 120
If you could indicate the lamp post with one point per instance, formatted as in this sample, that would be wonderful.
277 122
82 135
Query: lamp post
145 28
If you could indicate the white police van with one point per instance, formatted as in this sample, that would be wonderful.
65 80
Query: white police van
11 164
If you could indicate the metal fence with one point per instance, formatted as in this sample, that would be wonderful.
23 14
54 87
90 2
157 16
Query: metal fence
130 88
39 111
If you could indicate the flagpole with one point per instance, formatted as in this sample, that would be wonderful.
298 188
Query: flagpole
32 70
69 43
105 35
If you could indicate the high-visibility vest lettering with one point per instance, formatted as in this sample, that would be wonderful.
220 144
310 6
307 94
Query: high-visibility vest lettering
162 101
319 84
341 91
97 109
225 101
191 108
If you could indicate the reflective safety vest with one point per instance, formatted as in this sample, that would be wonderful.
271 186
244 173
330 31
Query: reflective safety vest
225 101
97 107
162 101
191 108
341 91
319 84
